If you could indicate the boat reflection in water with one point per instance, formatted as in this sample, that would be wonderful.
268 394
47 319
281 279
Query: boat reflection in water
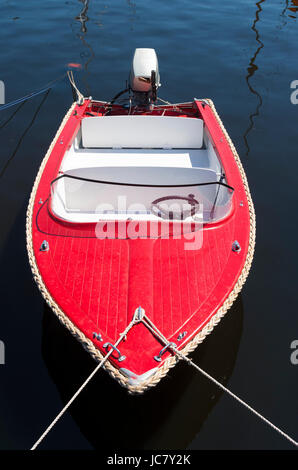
169 416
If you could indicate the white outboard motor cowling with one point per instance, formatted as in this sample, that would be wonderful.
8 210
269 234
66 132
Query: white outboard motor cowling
144 76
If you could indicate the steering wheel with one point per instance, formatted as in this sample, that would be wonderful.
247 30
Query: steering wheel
167 211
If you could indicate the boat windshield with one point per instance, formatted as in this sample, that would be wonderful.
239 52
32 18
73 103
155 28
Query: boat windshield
78 199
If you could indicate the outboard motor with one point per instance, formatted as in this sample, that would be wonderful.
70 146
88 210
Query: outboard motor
144 77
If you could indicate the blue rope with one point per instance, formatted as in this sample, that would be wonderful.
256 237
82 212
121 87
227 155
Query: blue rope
33 94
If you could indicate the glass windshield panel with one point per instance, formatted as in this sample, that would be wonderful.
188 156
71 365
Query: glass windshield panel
73 196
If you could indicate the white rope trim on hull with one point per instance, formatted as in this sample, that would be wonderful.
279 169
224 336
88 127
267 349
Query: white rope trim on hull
77 333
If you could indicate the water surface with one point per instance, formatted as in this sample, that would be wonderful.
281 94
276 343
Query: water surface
241 54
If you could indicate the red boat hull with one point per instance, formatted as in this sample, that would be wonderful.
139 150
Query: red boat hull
95 285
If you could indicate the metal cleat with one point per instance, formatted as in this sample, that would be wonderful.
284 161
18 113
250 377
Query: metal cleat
120 357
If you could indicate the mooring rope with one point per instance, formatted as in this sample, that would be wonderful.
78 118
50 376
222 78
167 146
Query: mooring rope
101 363
150 325
3 124
80 97
238 399
3 169
140 316
47 87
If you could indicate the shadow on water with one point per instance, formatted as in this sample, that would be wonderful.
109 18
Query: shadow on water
168 416
251 69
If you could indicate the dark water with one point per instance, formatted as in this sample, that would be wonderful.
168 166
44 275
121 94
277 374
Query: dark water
241 54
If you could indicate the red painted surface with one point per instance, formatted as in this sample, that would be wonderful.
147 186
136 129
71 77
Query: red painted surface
100 283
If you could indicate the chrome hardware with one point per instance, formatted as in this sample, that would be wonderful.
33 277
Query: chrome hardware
204 102
241 204
40 201
120 357
139 314
44 246
236 247
97 336
181 335
163 350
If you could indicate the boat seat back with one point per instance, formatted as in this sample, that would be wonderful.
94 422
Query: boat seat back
142 132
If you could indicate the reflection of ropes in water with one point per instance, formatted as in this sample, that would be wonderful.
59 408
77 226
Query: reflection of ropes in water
12 115
251 69
24 133
83 18
283 13
293 8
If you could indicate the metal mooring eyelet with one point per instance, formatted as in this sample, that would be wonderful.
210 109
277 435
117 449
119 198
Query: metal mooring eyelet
236 247
97 336
44 246
181 335
139 314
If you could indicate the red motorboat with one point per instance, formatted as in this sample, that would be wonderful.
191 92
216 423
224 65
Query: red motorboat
140 210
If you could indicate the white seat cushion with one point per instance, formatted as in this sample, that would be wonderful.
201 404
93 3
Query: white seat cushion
142 132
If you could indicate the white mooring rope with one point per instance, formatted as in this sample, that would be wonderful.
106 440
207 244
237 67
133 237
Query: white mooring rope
155 331
122 335
140 316
80 97
282 433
